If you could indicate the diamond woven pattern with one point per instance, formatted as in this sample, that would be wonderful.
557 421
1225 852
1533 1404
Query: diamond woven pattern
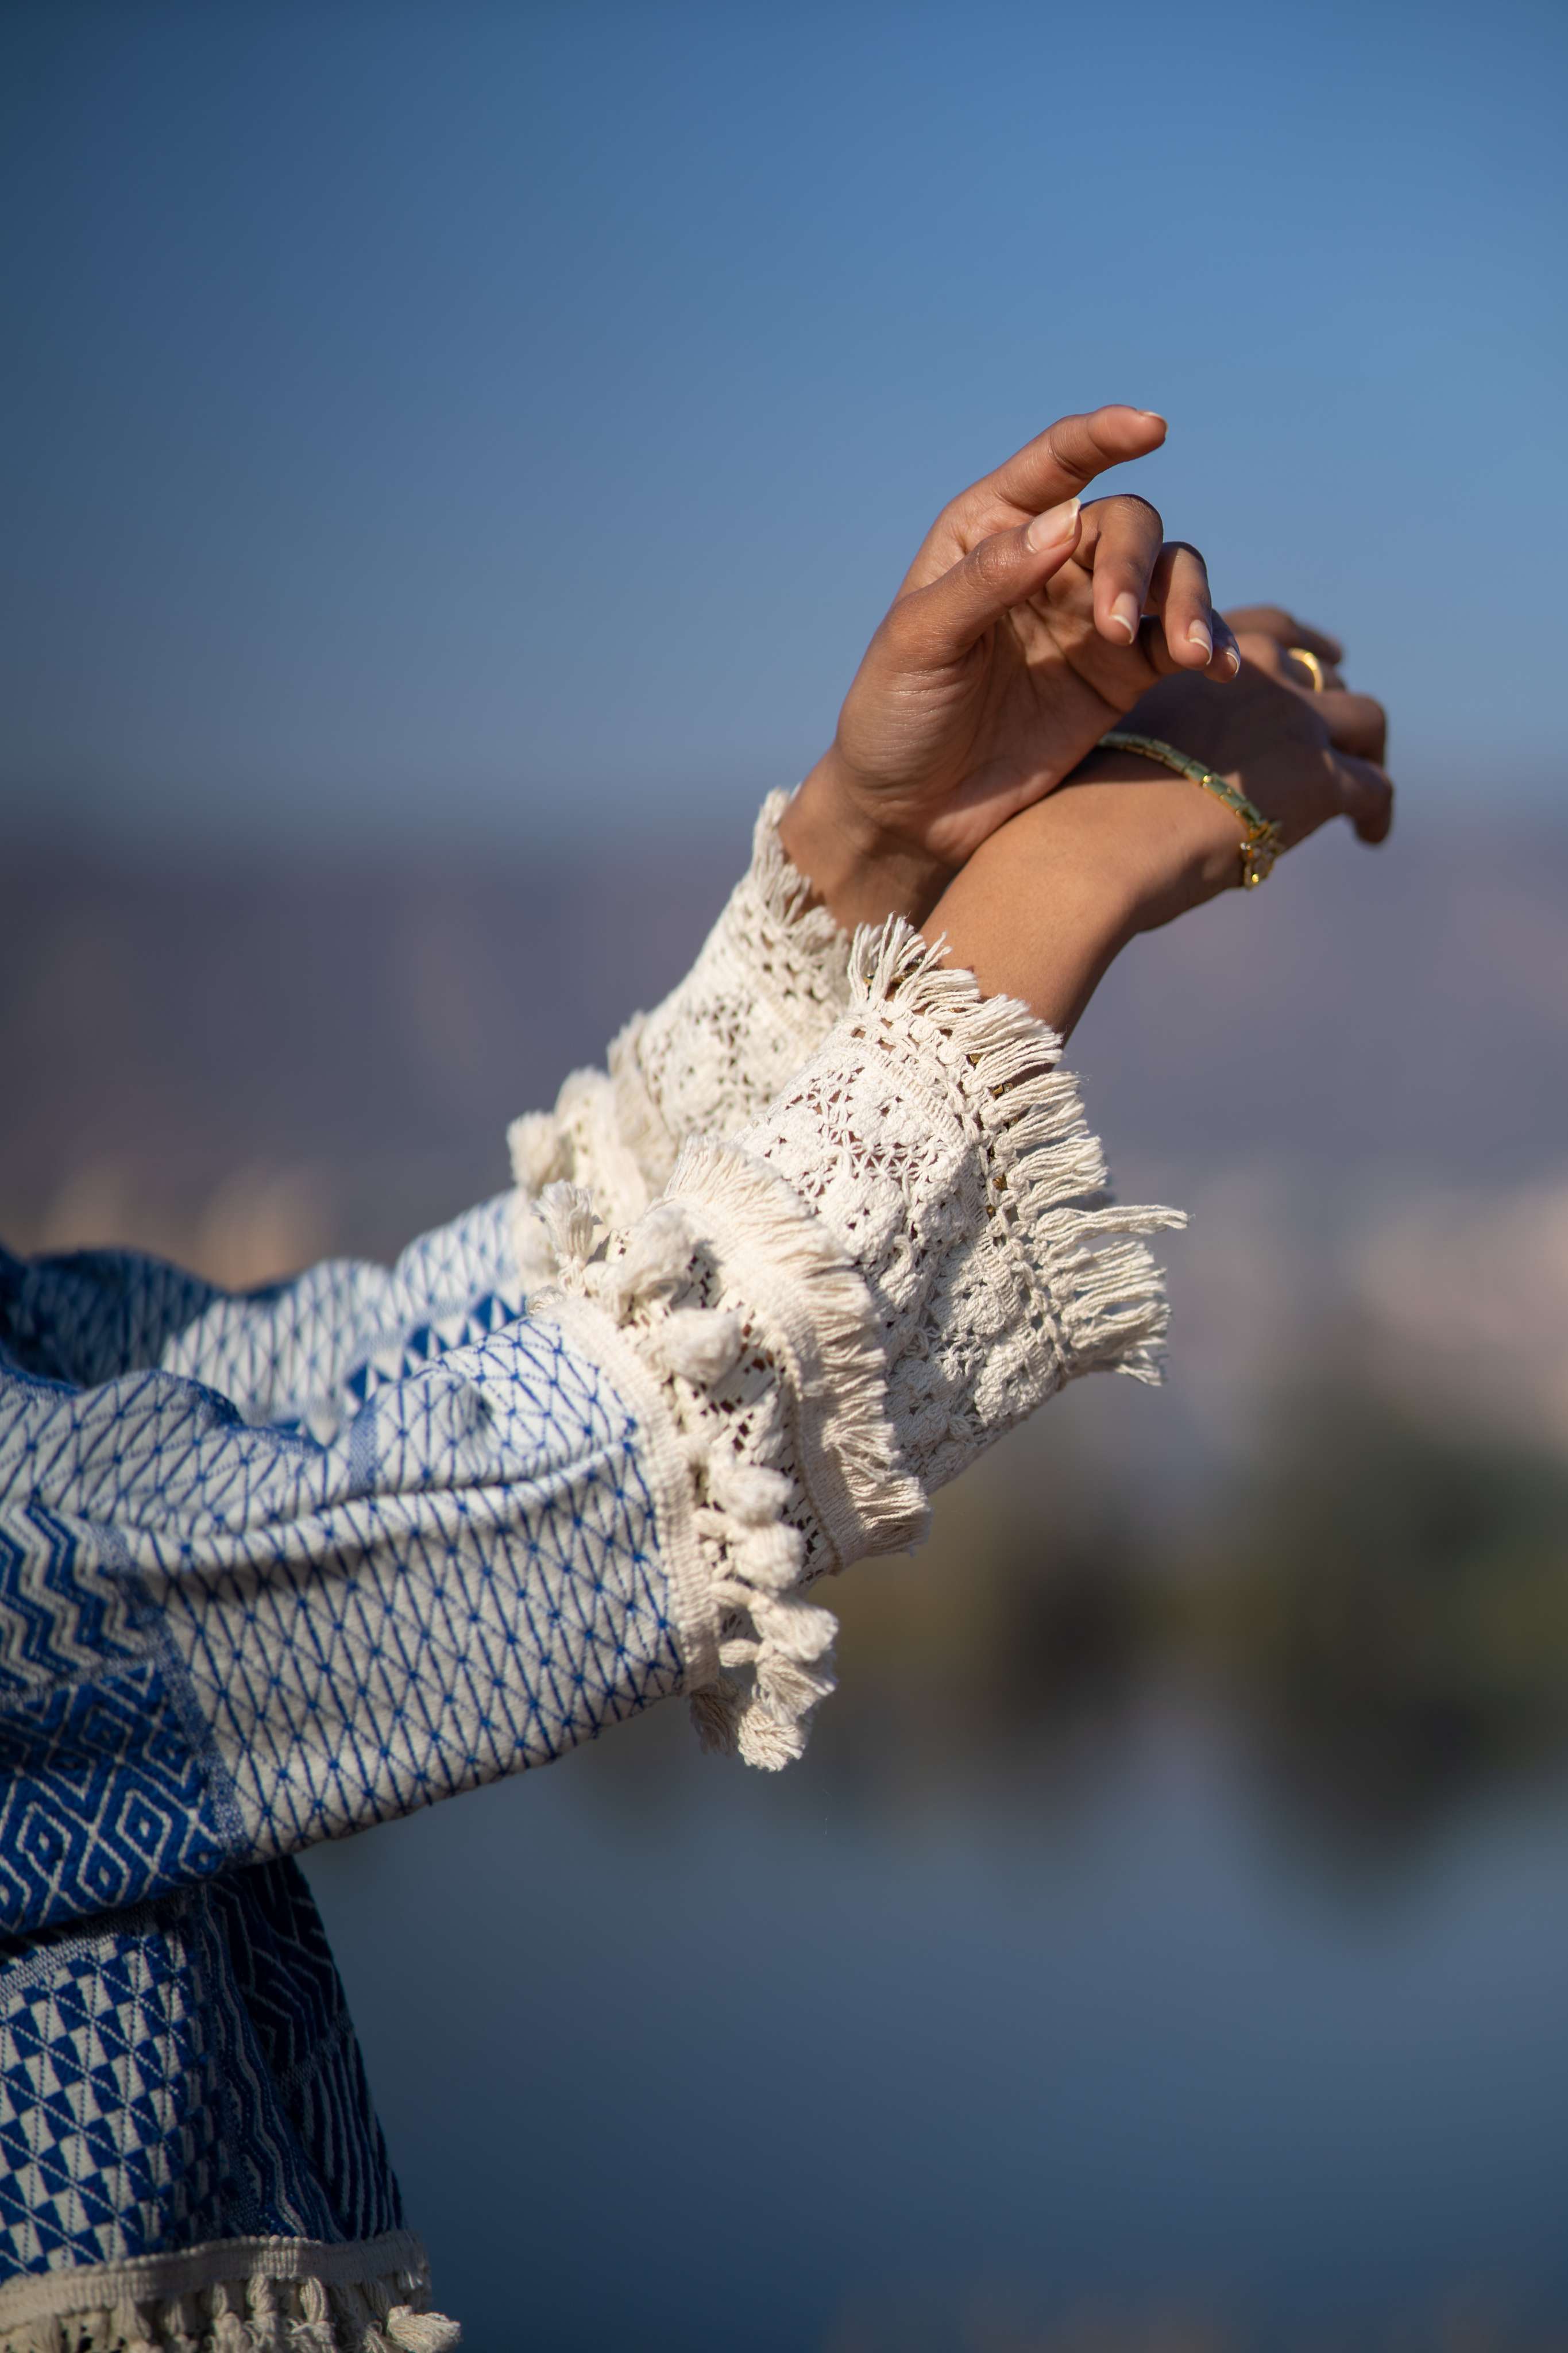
220 1641
183 2071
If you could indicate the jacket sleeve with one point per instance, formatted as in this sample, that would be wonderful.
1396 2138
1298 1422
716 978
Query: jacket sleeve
303 1354
220 1641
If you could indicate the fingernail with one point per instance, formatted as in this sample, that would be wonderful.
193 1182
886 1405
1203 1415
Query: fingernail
1155 413
1233 659
1125 614
1198 636
1049 530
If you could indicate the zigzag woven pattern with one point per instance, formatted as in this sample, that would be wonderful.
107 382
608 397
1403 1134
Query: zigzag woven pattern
234 1639
102 1793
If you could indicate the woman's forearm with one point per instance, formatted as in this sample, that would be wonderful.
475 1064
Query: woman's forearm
1044 908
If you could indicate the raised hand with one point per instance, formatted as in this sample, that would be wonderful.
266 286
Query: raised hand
1125 846
1302 752
1027 625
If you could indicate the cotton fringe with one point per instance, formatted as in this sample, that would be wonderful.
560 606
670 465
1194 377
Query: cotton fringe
257 2314
774 1647
783 1641
1103 1291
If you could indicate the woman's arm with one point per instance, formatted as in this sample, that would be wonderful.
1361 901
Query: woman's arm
231 1641
1025 627
1049 901
1006 651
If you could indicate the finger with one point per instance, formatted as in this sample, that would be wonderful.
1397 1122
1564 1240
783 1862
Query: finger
1273 621
1277 662
1228 654
1366 796
1355 724
1309 672
1196 637
942 622
1068 455
1121 545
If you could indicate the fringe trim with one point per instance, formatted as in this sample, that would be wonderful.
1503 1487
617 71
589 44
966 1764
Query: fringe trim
787 895
580 1139
773 1660
1097 1291
638 1120
784 1259
249 2296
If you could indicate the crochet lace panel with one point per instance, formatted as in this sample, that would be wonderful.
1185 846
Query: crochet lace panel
905 1255
769 983
937 1138
750 1351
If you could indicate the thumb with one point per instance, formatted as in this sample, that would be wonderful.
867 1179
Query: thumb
940 623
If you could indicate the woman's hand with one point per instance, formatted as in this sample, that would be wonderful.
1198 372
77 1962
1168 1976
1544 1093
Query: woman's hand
1042 909
1027 625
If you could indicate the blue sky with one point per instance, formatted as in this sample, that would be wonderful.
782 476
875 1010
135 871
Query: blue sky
501 418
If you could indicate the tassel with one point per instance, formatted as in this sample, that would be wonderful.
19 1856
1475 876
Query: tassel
571 1222
658 1251
532 1248
538 1149
266 2321
698 1344
746 1490
714 1715
421 2332
176 2322
129 2330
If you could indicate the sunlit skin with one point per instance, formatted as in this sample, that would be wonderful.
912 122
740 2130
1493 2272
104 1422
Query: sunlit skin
1123 847
1027 625
964 788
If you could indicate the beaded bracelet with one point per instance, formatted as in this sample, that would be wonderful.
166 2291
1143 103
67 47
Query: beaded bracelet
1262 841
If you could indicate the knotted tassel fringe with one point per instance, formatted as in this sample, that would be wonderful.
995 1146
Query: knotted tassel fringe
773 1655
257 2312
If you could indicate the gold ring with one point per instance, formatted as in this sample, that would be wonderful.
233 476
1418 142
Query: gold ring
1310 664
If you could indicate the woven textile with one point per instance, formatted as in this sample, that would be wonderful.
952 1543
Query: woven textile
222 1637
183 2073
276 1567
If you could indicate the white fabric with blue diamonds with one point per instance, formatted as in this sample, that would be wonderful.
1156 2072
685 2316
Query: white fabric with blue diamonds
220 1641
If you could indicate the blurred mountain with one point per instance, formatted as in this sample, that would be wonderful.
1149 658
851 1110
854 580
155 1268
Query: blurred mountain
1356 1080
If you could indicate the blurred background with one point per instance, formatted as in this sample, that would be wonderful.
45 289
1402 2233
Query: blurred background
454 457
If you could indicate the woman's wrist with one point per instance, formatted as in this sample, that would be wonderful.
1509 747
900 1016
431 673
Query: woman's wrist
1177 844
1041 911
858 871
1044 908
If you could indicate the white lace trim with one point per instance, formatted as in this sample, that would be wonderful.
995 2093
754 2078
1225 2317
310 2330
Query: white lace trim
770 981
756 1367
936 1135
902 1259
235 2295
